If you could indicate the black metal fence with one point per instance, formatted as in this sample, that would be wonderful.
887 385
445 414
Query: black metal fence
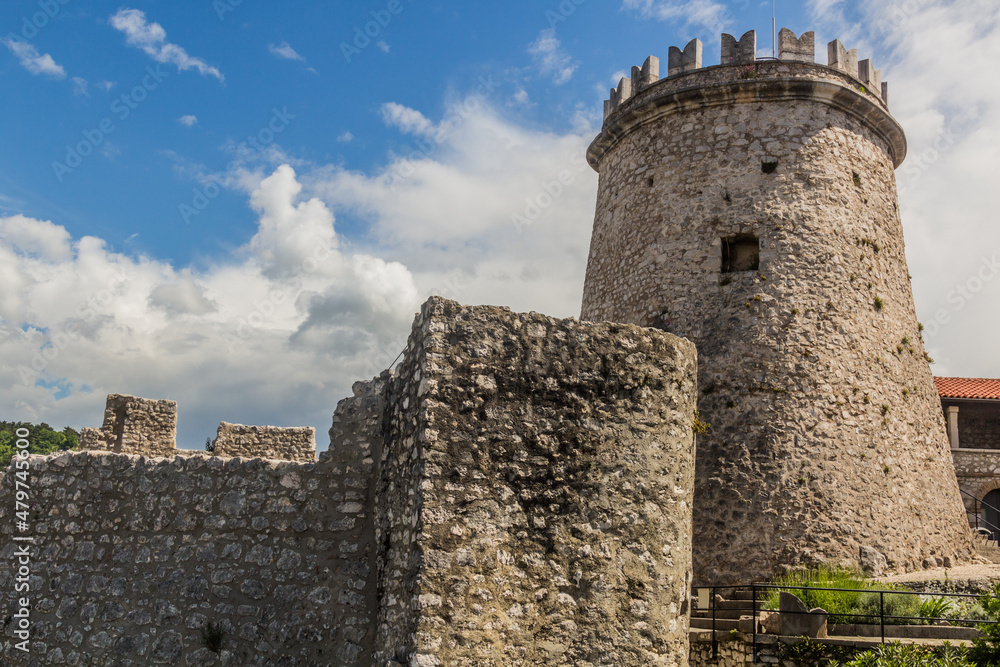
754 598
982 525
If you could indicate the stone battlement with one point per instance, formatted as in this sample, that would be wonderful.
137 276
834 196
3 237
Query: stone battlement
743 53
148 427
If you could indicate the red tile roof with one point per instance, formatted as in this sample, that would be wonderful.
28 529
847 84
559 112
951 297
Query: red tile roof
968 388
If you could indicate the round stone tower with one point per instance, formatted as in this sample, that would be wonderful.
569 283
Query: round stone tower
751 207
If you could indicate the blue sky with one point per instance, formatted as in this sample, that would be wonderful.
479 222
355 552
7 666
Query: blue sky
240 205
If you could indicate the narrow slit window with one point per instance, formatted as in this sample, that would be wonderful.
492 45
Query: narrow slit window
740 253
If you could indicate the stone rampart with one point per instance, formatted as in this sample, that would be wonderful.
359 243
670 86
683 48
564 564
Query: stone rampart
134 425
517 492
266 442
537 493
134 558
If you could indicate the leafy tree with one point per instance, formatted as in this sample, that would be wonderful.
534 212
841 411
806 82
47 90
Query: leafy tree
42 439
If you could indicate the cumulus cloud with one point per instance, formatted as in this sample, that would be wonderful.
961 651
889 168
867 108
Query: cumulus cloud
151 38
550 58
713 16
184 296
407 120
188 120
947 190
278 332
31 60
284 50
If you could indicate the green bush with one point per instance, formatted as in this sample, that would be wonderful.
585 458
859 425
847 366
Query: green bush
899 655
985 650
836 603
906 608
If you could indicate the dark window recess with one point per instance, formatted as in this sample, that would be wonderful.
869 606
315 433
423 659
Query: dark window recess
740 253
768 166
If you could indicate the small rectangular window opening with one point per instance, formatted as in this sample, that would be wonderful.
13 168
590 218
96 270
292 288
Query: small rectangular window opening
740 253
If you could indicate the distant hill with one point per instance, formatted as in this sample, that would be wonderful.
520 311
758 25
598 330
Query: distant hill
42 439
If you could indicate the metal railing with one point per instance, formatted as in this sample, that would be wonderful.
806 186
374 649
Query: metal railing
981 523
761 593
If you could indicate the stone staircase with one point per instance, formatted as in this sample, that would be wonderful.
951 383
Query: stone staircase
987 547
727 611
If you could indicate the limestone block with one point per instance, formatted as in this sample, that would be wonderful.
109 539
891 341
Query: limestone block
841 58
791 47
743 52
687 60
798 620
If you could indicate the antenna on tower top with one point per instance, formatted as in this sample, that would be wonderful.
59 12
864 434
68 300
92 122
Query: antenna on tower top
774 28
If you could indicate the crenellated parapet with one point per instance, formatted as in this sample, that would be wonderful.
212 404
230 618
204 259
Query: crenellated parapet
743 53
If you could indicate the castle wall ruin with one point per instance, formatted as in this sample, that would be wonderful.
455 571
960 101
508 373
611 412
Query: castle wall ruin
517 492
265 442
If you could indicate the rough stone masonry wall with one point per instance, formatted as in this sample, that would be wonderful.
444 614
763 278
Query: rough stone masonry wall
134 556
978 473
267 442
134 426
826 431
538 484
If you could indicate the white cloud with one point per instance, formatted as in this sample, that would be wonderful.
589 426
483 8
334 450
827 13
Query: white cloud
79 86
188 120
549 57
35 237
284 50
407 120
346 138
93 318
382 45
32 61
278 332
947 182
713 16
152 39
106 85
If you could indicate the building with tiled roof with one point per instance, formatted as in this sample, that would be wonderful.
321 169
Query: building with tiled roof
970 388
972 412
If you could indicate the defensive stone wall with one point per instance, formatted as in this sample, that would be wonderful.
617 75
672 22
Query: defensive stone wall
537 493
134 425
266 442
978 472
517 492
134 557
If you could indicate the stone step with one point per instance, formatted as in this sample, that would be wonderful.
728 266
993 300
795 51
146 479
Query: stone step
721 624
